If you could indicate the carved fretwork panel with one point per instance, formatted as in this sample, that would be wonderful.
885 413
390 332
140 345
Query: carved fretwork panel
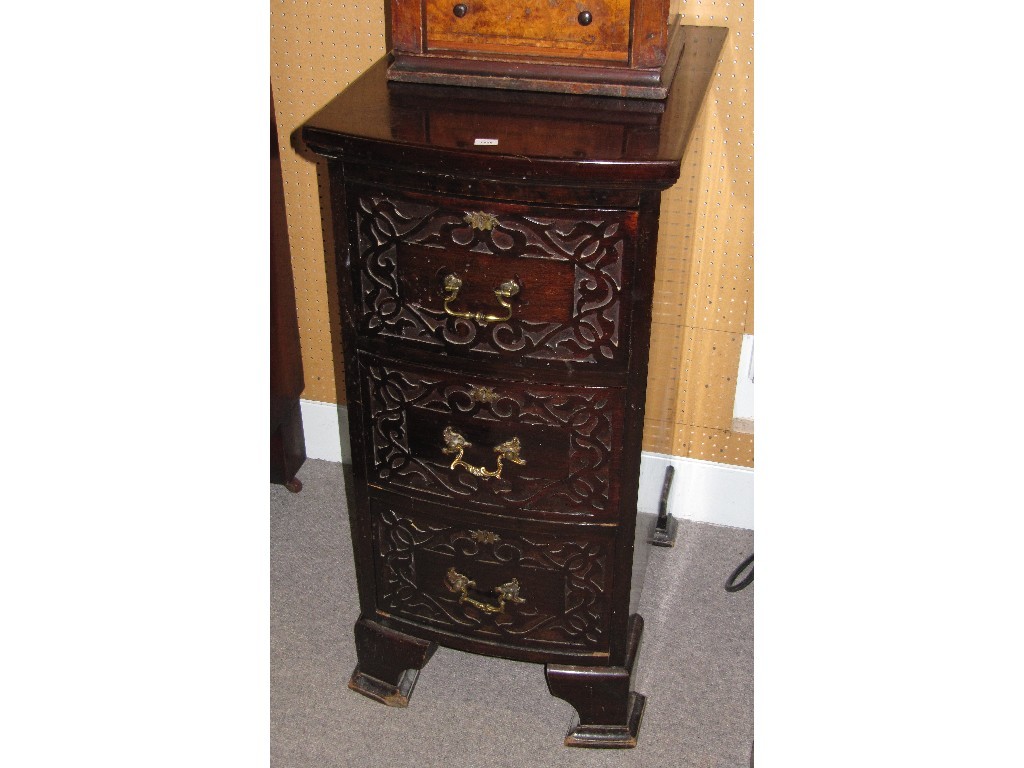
570 440
563 582
569 268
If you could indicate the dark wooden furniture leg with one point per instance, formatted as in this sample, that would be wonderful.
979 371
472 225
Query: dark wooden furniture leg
389 663
609 712
287 444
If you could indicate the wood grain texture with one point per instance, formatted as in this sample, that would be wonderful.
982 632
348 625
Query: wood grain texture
532 28
625 48
650 34
408 25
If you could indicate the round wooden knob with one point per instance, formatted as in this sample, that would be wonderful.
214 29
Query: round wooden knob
460 10
584 18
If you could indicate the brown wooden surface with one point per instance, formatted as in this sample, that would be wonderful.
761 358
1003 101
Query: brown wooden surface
287 443
536 44
385 126
408 25
389 663
547 299
525 133
571 439
650 34
571 268
608 710
565 523
532 28
564 575
484 19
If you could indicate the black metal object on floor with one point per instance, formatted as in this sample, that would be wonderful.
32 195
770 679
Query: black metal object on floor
666 527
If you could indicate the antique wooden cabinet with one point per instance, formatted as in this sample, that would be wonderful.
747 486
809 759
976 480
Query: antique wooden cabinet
495 257
611 47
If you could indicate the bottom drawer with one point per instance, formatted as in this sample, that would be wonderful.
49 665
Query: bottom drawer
530 590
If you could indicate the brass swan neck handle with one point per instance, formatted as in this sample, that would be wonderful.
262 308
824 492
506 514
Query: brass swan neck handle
508 289
507 593
457 444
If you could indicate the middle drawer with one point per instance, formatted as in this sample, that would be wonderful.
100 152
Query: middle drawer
504 446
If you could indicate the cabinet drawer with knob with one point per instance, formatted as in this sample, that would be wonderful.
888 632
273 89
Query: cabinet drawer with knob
588 29
624 48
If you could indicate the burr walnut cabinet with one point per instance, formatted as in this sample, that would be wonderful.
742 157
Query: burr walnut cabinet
610 47
494 254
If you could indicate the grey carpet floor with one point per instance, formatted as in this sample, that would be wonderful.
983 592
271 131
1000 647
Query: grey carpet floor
467 711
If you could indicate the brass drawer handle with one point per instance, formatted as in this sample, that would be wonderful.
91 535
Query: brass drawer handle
584 18
460 10
456 443
509 592
506 290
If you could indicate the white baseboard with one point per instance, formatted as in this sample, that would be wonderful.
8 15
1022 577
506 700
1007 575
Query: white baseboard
704 491
325 426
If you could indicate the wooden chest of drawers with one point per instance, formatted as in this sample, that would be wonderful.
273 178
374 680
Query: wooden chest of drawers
609 47
495 306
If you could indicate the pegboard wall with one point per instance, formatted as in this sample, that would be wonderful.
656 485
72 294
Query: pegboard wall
703 301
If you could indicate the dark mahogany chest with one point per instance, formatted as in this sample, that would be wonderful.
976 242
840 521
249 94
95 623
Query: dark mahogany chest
495 256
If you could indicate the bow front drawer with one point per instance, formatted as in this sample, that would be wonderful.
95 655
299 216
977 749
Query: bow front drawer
494 281
532 589
522 449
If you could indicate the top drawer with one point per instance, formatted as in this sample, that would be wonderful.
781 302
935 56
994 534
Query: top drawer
493 281
591 29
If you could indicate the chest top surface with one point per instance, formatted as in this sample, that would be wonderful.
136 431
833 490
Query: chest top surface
508 134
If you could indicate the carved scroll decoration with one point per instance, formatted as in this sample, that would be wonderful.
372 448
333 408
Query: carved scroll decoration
585 415
577 567
595 244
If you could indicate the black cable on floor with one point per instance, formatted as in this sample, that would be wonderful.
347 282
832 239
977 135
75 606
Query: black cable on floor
731 585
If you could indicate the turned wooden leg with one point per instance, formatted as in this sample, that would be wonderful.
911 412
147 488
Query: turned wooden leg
389 663
609 712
